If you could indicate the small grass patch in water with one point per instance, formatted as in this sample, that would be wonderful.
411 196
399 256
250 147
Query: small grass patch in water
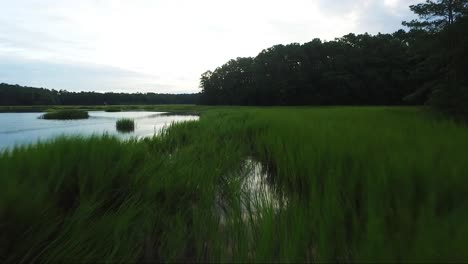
66 115
125 125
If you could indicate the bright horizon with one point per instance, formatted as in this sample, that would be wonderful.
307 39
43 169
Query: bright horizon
164 46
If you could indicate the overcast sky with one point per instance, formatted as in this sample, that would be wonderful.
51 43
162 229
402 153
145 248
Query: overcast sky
164 46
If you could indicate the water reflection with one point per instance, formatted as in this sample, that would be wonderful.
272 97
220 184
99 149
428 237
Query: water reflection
26 128
257 193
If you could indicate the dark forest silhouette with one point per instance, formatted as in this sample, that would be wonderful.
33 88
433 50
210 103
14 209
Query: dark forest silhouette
427 64
20 95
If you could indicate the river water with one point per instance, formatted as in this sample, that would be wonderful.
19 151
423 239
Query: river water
27 128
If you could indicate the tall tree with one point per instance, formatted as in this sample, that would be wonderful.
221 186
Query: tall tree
445 25
437 15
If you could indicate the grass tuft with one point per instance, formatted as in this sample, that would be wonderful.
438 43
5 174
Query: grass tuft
125 125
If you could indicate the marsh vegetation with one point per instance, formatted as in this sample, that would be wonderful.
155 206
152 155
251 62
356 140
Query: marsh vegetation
67 114
112 110
125 125
389 189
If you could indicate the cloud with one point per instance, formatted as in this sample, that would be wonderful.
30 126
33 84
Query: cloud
167 44
78 77
372 16
339 7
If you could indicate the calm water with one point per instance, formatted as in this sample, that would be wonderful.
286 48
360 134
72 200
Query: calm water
27 128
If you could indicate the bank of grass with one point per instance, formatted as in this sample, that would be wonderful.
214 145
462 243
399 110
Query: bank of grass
361 184
125 125
113 109
66 114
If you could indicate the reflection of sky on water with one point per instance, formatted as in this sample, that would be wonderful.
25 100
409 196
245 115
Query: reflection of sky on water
26 128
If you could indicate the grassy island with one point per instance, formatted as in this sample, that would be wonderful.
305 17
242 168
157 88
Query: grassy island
66 114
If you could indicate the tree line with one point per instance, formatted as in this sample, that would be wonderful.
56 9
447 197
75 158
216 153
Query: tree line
21 95
426 64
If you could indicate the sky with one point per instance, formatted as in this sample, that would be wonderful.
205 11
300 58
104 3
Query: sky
163 46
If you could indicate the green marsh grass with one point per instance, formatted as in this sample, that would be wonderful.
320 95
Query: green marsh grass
112 110
125 125
66 114
360 184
